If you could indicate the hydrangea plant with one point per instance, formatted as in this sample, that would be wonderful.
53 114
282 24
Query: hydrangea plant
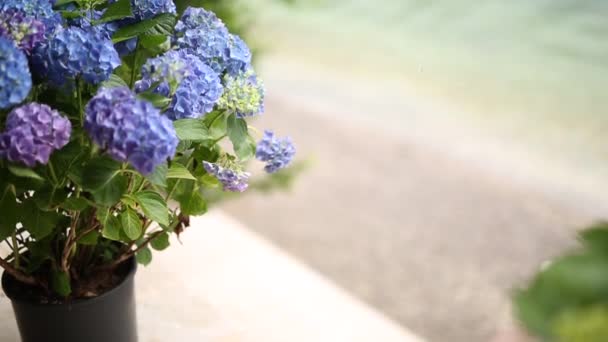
117 119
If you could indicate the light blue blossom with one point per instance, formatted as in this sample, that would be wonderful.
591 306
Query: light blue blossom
276 152
38 9
25 31
232 179
15 77
194 88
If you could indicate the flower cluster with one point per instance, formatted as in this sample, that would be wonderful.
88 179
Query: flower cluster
204 35
277 153
33 132
15 77
37 9
232 179
146 9
76 52
25 31
192 85
131 130
243 94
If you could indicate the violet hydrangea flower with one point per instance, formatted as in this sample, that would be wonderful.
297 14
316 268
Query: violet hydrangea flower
232 179
38 9
25 31
193 86
33 132
76 52
146 9
243 94
15 77
203 34
277 153
130 129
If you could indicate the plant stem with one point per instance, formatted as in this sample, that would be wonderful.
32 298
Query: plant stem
134 70
16 253
20 276
53 174
190 160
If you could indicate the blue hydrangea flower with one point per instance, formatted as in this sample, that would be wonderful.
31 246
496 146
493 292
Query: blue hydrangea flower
239 56
25 31
232 179
38 9
33 132
243 94
277 153
85 22
15 77
146 9
193 86
130 129
76 52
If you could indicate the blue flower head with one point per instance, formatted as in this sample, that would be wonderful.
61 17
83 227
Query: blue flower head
33 132
15 77
129 129
239 56
146 9
25 31
37 9
277 153
192 85
243 94
76 52
231 177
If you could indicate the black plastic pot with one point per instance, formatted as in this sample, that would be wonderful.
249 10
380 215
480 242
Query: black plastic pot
109 317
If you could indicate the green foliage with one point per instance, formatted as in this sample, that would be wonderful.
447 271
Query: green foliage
561 303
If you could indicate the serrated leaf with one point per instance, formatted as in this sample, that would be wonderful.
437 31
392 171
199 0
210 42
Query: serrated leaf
75 204
89 239
156 100
37 222
24 172
111 228
114 81
191 129
102 177
117 10
244 146
144 256
131 224
159 175
162 24
161 242
153 206
179 171
216 122
192 203
152 41
50 197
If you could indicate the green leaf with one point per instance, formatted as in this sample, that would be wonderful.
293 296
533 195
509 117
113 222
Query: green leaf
60 3
60 282
39 223
191 129
144 256
159 175
216 121
70 14
244 146
131 224
156 100
162 24
152 41
111 228
114 81
153 206
99 173
192 203
75 204
68 159
161 242
89 239
117 10
23 172
50 197
179 171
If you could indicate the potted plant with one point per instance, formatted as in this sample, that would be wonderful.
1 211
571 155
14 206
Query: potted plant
117 118
567 301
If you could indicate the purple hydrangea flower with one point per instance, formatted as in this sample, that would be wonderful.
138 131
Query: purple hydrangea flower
25 31
243 94
33 132
86 22
146 9
204 35
193 86
130 129
37 9
277 153
76 52
231 179
15 77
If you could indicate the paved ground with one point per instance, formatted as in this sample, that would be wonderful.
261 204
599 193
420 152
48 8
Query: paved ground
433 241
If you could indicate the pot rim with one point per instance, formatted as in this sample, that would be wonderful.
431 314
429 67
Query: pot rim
75 302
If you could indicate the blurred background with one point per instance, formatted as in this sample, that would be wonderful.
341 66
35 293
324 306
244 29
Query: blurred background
446 149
